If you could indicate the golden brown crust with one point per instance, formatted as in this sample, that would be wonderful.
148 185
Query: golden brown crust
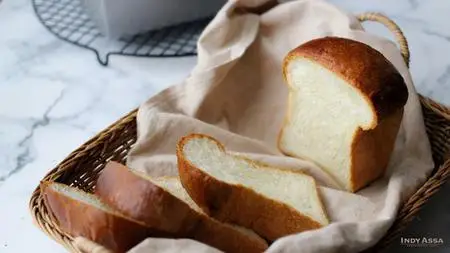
80 219
145 201
380 84
372 150
238 204
360 65
226 237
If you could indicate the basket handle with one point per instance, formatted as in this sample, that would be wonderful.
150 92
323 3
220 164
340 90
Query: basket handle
393 27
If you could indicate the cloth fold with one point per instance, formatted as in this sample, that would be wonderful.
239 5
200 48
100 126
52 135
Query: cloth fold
236 94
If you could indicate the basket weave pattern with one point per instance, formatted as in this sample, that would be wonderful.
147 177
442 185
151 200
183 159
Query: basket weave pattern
81 168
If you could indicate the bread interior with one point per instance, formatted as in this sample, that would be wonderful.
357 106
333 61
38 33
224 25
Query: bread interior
294 189
83 197
323 116
174 187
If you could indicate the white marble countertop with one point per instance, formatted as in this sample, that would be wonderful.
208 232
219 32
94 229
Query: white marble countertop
55 96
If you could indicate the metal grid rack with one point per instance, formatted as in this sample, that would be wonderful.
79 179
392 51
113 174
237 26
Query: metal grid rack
68 21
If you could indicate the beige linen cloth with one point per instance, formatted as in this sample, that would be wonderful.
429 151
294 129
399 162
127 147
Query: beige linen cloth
236 94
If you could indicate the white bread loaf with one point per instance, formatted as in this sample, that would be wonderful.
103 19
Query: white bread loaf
345 108
163 204
272 202
82 214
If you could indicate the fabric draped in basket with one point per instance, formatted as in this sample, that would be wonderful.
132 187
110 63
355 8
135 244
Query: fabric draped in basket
236 94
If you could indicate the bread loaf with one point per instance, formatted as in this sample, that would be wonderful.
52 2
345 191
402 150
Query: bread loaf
272 202
345 108
163 204
82 214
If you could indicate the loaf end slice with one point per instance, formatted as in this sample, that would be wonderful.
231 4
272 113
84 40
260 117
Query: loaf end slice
345 108
82 214
272 202
163 204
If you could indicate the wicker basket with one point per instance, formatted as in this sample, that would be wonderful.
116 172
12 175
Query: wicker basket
83 165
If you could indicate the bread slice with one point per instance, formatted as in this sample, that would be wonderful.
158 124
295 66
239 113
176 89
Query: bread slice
345 107
272 202
163 204
82 214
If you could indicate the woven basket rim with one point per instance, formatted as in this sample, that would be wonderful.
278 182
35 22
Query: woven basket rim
36 200
406 213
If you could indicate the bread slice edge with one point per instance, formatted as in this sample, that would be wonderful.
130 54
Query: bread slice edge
219 199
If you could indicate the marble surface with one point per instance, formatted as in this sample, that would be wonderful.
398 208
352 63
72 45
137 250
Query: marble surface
55 96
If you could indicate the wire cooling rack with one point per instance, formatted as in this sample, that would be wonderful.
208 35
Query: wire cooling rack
68 21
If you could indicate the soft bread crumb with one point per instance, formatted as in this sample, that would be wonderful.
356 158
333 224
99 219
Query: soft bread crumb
298 190
87 198
173 186
325 112
82 196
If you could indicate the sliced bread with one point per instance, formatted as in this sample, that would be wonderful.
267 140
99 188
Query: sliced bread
163 204
272 202
82 214
345 107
